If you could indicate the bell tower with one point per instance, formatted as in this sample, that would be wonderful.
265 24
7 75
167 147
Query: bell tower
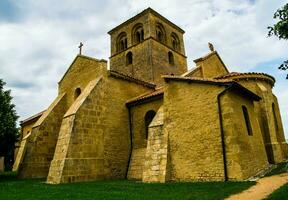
147 46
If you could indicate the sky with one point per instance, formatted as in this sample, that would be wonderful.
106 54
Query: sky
39 40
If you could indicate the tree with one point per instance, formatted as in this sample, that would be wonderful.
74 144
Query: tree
8 129
280 29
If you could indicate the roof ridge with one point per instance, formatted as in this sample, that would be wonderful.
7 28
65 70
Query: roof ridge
32 117
147 95
244 74
197 78
147 10
130 78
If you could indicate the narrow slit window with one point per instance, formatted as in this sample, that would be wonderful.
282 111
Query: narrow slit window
77 93
129 58
170 58
247 120
275 118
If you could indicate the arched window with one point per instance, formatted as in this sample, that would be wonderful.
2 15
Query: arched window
170 58
275 118
247 120
137 33
148 119
121 42
160 33
77 93
175 41
129 58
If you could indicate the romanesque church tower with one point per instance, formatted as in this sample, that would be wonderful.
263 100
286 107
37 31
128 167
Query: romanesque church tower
148 46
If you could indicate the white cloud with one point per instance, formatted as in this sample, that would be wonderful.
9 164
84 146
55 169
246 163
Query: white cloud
41 41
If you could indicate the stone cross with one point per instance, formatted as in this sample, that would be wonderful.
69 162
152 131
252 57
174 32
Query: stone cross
80 48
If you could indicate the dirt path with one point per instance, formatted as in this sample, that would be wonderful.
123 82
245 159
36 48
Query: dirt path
262 189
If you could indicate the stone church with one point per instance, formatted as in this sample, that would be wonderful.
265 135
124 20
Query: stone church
146 117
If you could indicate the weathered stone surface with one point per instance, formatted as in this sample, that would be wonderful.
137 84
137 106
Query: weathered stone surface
155 168
92 131
150 56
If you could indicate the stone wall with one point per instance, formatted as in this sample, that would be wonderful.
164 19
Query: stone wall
138 113
273 137
82 70
211 66
94 140
161 65
245 153
155 168
42 141
79 151
192 123
150 56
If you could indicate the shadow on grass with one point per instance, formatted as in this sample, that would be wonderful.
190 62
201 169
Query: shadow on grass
8 176
13 188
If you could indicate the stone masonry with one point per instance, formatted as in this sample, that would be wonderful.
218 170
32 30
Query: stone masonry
145 117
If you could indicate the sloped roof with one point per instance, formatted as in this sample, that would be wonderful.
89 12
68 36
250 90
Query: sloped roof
247 75
33 117
222 82
130 78
147 10
81 56
197 79
143 97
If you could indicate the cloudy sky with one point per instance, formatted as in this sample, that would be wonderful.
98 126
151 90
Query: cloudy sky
39 39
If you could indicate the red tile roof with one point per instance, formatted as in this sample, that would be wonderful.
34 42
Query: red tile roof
197 79
247 75
158 92
132 79
33 117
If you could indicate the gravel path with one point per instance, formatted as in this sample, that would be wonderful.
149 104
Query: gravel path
264 187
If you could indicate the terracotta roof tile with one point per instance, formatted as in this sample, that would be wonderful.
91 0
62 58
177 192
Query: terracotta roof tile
157 92
197 79
246 75
32 117
132 79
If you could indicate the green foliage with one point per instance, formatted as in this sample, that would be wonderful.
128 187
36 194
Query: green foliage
281 168
280 29
11 188
8 130
279 194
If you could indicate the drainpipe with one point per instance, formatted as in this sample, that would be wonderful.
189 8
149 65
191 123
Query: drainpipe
131 140
222 130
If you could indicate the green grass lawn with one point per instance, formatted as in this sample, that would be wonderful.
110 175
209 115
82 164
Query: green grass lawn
12 188
280 194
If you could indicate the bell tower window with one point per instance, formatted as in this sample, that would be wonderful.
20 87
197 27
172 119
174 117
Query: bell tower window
138 33
160 33
175 41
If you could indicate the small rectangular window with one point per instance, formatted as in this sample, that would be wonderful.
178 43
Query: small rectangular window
247 120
